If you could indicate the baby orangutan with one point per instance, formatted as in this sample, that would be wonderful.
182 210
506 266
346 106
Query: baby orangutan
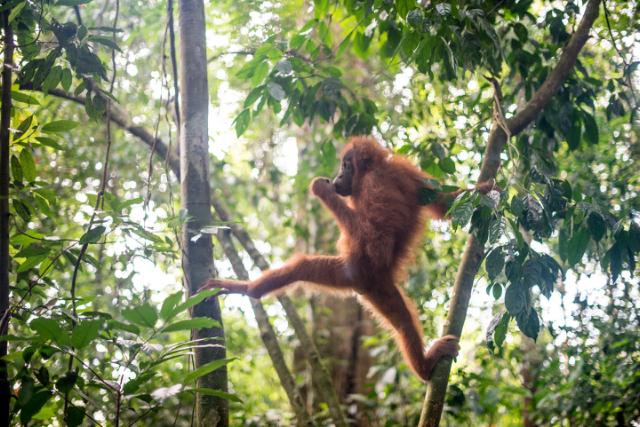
375 202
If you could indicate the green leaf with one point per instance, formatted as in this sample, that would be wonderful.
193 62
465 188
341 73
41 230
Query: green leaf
426 196
242 121
24 126
575 131
115 324
521 32
297 41
105 41
85 332
72 2
529 323
35 403
415 18
42 374
49 142
501 330
634 237
496 290
66 79
143 315
59 126
447 165
494 263
28 165
31 262
23 97
577 245
443 9
597 226
93 235
590 129
66 383
496 228
462 210
16 11
169 305
194 323
253 96
16 169
213 392
206 369
276 91
497 330
195 299
133 385
49 329
52 79
259 73
74 416
515 299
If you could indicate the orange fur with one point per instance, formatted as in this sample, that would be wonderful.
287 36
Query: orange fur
381 223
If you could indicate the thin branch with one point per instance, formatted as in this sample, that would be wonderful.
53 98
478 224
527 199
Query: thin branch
121 118
474 251
267 334
319 373
174 62
624 61
5 137
233 52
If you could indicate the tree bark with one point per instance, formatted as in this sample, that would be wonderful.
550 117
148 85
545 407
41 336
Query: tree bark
5 136
474 251
196 200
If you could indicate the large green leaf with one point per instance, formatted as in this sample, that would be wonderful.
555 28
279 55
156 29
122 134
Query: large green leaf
195 323
85 332
49 329
143 315
59 126
206 369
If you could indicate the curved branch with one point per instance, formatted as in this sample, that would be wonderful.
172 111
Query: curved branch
474 251
122 118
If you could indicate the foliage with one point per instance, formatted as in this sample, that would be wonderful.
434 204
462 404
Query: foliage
564 213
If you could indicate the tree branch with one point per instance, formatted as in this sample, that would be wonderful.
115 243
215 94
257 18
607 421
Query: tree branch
318 371
5 261
268 335
474 251
320 375
121 117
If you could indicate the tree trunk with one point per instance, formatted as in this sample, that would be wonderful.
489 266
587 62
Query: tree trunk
5 122
196 199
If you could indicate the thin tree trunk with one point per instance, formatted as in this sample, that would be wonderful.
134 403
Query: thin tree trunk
268 336
320 375
196 199
5 122
474 252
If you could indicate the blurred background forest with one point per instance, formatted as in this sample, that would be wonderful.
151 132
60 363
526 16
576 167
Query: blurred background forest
97 326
